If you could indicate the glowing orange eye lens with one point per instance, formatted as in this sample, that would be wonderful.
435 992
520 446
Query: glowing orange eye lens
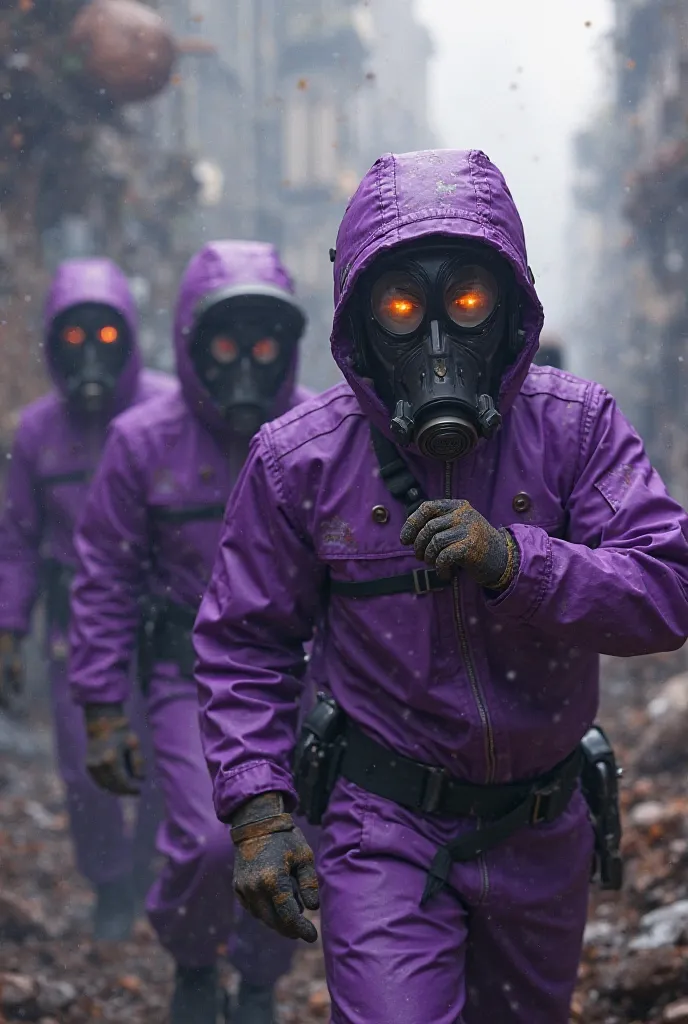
108 334
401 308
397 303
472 302
224 349
472 296
265 351
74 335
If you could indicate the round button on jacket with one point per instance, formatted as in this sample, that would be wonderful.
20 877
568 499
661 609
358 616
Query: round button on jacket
522 502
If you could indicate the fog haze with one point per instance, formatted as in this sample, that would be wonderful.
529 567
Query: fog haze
517 80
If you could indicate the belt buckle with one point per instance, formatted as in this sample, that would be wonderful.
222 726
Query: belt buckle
540 816
422 581
432 790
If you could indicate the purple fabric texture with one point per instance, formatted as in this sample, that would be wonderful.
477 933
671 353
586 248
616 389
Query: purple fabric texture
53 456
172 456
494 947
491 689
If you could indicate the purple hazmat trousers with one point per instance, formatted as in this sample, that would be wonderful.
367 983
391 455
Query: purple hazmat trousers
175 454
492 689
55 453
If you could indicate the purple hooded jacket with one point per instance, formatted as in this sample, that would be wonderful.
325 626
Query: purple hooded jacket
55 451
491 689
174 457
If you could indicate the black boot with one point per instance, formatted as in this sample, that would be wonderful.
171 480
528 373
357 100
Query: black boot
255 1005
113 914
196 996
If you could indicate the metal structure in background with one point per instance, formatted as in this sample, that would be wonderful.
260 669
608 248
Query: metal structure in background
285 106
630 264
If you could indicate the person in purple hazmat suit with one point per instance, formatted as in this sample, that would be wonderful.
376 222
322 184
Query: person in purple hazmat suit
467 533
91 351
151 527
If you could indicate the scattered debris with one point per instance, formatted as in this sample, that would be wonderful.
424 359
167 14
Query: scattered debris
51 971
635 964
634 968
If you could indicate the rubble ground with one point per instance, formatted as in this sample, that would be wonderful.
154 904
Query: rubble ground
635 963
50 970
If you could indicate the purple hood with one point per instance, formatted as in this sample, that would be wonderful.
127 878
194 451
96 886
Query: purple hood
218 266
404 197
95 280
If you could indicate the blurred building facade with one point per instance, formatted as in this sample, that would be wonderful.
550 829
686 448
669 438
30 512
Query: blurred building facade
630 261
76 176
285 106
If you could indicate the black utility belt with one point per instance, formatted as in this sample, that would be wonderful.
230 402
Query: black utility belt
331 745
428 790
501 809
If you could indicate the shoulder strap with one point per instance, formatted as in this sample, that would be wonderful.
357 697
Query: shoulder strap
395 474
77 476
186 513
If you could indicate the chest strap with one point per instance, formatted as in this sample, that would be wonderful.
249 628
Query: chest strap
76 476
419 582
187 513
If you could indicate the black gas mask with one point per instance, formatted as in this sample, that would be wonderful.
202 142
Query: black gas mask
89 346
243 349
436 323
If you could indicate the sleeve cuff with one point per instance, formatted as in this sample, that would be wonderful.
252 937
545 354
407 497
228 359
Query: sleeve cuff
116 692
527 590
234 788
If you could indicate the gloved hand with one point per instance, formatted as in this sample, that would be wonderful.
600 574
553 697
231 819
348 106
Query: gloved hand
274 870
113 755
11 668
449 534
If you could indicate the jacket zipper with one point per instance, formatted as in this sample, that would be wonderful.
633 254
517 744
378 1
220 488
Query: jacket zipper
477 689
478 696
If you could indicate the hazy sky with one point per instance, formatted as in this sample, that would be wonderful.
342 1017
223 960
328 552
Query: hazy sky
516 78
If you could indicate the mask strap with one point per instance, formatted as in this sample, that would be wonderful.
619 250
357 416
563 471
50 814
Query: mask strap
362 365
395 474
517 335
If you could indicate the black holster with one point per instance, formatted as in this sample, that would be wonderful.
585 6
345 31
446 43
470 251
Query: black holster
56 585
318 756
165 630
599 781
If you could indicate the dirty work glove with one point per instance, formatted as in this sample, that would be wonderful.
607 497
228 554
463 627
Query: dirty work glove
11 668
449 534
274 870
113 756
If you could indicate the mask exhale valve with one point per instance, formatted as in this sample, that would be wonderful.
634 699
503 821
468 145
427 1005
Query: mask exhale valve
444 434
